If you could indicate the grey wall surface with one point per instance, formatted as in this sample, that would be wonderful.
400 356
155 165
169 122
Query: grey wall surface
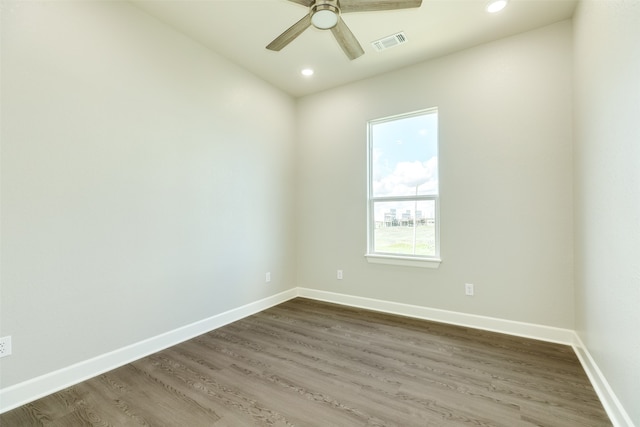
146 183
505 181
607 191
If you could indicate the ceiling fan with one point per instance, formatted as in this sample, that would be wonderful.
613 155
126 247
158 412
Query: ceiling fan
325 15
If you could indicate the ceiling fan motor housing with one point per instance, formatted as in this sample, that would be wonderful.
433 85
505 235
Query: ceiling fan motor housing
325 14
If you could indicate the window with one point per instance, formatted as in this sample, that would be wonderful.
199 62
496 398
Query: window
403 221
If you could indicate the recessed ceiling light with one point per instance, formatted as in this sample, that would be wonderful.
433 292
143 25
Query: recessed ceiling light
307 72
496 6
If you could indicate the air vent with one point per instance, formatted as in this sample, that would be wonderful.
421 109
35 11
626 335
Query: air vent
389 41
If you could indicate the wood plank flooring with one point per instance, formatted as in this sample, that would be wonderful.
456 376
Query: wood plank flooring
308 363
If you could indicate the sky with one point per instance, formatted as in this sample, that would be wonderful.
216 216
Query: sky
404 159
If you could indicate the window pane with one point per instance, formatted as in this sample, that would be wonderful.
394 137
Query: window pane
404 156
406 228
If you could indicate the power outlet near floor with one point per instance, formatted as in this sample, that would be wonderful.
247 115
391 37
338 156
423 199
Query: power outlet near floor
339 275
267 277
5 346
468 289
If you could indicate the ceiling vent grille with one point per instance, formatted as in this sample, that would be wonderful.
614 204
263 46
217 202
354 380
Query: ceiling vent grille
389 41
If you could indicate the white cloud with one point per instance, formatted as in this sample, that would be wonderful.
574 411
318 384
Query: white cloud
406 176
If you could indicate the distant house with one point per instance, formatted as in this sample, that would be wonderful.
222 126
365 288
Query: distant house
390 219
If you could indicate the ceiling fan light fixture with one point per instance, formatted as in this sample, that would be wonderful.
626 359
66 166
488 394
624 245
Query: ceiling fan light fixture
324 16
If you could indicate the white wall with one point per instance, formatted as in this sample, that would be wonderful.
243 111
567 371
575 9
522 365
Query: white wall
607 191
505 171
146 183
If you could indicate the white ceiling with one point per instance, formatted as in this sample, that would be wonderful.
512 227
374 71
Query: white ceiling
240 29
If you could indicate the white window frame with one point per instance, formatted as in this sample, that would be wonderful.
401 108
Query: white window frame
400 259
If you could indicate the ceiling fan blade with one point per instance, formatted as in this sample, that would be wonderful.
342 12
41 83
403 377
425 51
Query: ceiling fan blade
347 40
373 5
302 2
290 34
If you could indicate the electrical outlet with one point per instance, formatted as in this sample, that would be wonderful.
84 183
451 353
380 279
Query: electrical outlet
267 277
468 289
339 274
5 346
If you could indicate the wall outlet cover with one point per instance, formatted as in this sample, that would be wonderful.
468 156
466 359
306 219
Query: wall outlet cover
5 346
468 289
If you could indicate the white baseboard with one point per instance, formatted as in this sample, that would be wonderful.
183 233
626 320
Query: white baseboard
30 390
608 398
521 329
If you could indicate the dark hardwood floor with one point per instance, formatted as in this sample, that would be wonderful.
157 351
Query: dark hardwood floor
307 363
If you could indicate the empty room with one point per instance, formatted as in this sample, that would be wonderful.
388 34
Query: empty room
320 213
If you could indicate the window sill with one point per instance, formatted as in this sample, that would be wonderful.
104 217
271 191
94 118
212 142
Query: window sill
404 261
